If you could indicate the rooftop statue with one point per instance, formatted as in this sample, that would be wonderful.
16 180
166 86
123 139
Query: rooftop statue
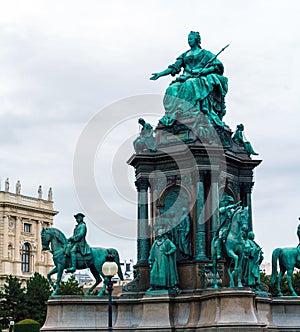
289 259
7 185
84 257
201 87
18 187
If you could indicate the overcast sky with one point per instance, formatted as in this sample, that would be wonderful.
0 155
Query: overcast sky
74 78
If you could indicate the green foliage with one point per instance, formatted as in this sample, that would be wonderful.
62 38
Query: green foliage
27 325
284 285
38 292
17 303
13 306
70 287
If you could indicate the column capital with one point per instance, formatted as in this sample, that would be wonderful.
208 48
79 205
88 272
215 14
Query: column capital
202 175
215 175
142 184
247 186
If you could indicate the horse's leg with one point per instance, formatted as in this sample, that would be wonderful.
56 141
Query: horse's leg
97 278
104 286
49 274
235 268
60 270
214 263
239 270
228 267
289 280
280 274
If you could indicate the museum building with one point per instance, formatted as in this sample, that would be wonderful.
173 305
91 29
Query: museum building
21 221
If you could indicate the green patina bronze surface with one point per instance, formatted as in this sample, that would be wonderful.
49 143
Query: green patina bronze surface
289 259
77 242
201 87
226 211
232 244
146 141
239 140
253 256
93 258
162 261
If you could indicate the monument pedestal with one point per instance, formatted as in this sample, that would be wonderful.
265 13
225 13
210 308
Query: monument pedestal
210 310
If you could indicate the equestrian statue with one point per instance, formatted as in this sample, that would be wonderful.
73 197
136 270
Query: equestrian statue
289 259
229 242
74 253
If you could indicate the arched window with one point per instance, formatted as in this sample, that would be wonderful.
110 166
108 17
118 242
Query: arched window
10 251
25 257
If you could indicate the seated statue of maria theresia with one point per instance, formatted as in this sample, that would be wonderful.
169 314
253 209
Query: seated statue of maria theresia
198 90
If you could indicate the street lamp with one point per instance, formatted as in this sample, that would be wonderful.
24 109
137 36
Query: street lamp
11 325
109 269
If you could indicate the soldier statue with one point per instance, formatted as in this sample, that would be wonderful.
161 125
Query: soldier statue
226 211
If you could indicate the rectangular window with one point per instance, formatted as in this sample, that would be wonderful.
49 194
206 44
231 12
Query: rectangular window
27 228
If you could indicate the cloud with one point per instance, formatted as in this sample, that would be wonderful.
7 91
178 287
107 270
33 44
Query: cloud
61 64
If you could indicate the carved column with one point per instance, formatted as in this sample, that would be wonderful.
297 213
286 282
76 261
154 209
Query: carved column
143 242
39 240
247 190
214 202
5 237
17 254
200 247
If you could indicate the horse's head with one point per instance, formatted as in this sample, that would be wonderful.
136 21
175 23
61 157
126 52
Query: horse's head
46 238
53 235
241 217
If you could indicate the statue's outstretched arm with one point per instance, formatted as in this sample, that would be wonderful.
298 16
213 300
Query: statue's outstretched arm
166 72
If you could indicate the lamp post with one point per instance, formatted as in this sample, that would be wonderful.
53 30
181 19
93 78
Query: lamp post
109 269
11 325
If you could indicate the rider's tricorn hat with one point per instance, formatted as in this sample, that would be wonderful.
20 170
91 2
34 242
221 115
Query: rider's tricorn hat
79 215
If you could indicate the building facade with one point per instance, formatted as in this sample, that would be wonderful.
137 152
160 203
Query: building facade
21 221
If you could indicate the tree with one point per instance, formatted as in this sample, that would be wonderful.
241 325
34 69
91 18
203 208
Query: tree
70 287
37 294
284 285
13 306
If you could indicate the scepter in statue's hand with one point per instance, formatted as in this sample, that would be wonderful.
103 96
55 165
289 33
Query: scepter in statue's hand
205 70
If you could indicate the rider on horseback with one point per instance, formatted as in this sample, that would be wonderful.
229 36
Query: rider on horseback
77 242
226 211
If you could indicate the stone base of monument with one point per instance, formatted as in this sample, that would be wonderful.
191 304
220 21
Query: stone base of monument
210 310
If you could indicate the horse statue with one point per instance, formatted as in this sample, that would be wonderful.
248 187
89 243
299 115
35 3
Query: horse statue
288 258
233 247
54 238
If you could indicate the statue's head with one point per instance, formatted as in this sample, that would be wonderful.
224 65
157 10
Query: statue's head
141 121
194 36
160 232
240 127
79 217
251 235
